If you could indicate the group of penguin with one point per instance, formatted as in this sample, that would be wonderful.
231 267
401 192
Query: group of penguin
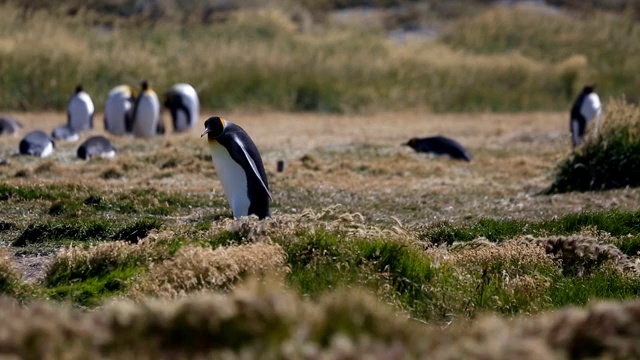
235 156
124 114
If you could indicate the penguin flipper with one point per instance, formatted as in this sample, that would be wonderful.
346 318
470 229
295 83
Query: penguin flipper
253 165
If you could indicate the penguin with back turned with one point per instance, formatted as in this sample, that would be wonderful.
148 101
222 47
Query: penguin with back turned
146 113
184 106
118 109
239 167
80 111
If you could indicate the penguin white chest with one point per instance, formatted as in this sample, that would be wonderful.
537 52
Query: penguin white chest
47 151
233 178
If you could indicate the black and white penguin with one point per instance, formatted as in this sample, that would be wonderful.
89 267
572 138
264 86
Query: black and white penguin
440 145
65 132
80 111
584 109
184 106
118 110
9 125
37 143
146 113
96 146
239 167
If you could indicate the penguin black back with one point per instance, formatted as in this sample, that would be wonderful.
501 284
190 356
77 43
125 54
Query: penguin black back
96 146
36 143
440 145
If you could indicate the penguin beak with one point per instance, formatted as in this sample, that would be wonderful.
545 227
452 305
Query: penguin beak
205 132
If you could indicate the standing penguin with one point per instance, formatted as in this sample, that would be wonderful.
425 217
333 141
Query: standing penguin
239 167
37 143
440 145
584 109
184 105
117 110
96 146
80 111
146 113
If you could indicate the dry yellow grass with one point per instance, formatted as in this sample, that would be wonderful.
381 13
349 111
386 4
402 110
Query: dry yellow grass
354 160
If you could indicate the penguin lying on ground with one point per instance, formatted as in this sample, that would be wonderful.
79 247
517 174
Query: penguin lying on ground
146 113
37 143
584 109
182 101
9 126
239 167
440 145
96 146
65 132
80 111
118 110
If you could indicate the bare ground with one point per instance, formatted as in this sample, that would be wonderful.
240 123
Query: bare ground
353 160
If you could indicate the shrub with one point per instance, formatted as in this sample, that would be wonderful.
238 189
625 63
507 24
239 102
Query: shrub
607 161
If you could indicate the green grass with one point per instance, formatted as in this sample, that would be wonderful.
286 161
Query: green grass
91 291
96 229
616 223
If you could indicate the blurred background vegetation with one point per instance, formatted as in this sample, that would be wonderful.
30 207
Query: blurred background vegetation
323 55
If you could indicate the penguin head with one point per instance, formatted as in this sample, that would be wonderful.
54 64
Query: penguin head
412 142
79 89
589 89
214 127
145 85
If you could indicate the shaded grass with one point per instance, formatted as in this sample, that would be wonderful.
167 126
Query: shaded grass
96 229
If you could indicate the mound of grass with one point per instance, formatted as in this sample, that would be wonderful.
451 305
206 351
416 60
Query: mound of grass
92 229
608 160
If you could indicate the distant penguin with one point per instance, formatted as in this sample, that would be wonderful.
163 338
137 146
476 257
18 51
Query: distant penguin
182 101
118 110
65 132
37 143
96 146
80 111
584 109
146 113
440 145
9 126
239 167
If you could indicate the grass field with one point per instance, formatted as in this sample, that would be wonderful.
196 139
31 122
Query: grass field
416 243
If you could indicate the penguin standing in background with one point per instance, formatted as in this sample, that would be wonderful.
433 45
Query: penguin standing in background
9 126
440 145
96 146
584 109
80 111
118 110
65 132
146 113
239 167
37 143
184 105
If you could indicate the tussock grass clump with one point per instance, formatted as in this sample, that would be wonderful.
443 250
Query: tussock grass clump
194 269
9 278
608 160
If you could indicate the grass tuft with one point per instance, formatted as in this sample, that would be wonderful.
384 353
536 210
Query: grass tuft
608 160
